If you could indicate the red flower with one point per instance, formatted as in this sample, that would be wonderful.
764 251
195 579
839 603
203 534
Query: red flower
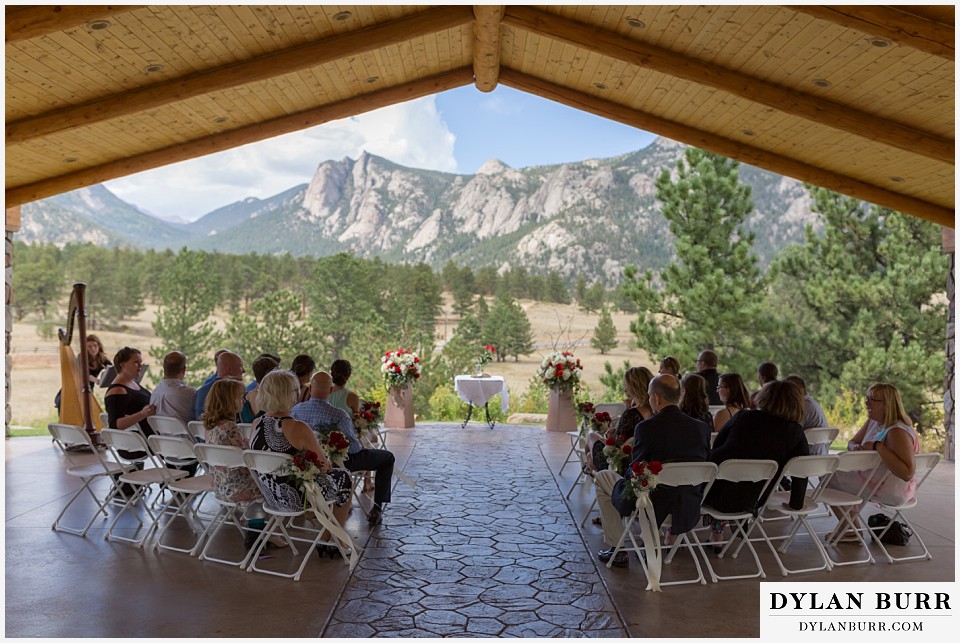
416 360
627 449
611 441
637 468
655 467
643 483
489 348
311 456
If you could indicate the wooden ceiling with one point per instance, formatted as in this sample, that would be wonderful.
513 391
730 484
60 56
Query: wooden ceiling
859 99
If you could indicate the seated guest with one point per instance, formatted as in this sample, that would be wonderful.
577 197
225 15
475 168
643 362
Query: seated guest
772 432
707 369
670 365
229 364
250 410
635 382
127 403
276 358
303 367
216 362
276 431
669 436
733 396
813 415
233 485
693 398
318 412
888 431
173 397
348 402
767 372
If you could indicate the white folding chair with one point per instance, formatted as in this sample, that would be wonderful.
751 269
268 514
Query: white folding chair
674 474
142 480
195 428
267 462
572 453
66 436
187 492
925 463
164 425
246 429
847 504
803 466
615 409
820 438
216 455
762 472
105 419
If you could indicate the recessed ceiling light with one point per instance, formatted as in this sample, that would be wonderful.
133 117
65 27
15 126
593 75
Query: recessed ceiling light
897 179
70 159
599 85
636 22
97 25
822 82
748 132
342 15
220 119
152 69
372 80
879 42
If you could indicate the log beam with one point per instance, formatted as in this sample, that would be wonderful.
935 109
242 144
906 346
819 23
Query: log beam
729 148
486 45
780 98
11 222
257 69
23 23
892 23
240 136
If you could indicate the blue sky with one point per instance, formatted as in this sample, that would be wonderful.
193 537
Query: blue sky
456 131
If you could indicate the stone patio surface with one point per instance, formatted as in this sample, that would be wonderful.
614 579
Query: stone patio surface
485 546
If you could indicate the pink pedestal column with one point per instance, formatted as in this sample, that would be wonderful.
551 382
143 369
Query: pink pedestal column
399 414
561 415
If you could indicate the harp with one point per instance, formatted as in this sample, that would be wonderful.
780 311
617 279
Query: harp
78 406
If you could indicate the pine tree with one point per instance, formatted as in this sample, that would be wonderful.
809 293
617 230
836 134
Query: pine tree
711 296
605 334
508 329
188 293
865 302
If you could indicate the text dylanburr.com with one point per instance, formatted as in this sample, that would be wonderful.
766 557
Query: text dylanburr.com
865 610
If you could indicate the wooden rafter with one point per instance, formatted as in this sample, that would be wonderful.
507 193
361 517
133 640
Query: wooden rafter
892 23
782 99
257 69
240 136
727 147
486 45
23 23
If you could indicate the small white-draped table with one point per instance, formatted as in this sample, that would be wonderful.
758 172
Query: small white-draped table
477 391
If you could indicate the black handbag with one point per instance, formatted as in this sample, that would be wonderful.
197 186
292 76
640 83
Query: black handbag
896 534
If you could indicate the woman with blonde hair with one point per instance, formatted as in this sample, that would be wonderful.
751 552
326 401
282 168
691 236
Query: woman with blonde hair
734 396
276 431
233 485
888 431
635 383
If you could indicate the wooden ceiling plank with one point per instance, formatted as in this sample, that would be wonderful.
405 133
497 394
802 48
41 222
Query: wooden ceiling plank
486 45
262 67
732 149
241 136
892 23
781 98
24 23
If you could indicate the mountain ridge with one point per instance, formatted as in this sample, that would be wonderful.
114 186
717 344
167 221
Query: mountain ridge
590 217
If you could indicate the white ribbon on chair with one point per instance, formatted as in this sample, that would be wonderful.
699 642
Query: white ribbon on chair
650 533
321 509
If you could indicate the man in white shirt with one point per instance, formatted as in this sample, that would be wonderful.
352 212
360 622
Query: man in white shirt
813 416
172 396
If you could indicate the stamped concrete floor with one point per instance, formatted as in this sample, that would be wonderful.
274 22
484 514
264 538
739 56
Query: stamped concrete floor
485 546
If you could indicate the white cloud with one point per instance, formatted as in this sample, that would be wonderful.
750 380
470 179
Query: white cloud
411 133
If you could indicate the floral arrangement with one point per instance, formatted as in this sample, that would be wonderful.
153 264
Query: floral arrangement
304 468
617 452
486 356
600 422
367 420
644 477
585 410
560 370
335 445
399 368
